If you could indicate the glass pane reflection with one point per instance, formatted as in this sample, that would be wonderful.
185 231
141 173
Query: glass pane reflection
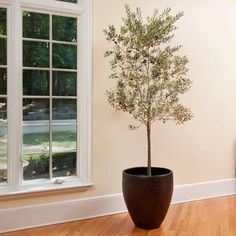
3 51
3 21
3 169
3 81
3 142
64 28
64 164
35 82
35 139
35 110
3 154
3 111
64 83
64 138
64 56
36 166
64 110
35 54
35 25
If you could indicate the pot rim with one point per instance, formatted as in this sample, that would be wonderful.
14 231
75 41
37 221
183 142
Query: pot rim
168 171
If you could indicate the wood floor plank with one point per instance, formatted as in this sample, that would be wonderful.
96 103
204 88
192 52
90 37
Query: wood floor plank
211 217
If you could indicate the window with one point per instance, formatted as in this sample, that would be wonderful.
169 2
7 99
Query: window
3 95
45 117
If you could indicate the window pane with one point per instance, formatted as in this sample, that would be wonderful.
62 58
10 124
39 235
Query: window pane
72 1
3 21
35 110
3 142
3 111
49 148
64 28
3 51
64 164
64 83
36 166
35 139
35 25
35 82
3 81
3 169
35 54
64 56
3 154
64 110
63 138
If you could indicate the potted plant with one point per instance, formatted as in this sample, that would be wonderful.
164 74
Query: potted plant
150 77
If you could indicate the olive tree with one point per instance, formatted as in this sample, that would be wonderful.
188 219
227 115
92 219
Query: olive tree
149 74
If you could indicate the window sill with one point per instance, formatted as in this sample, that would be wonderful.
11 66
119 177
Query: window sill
38 190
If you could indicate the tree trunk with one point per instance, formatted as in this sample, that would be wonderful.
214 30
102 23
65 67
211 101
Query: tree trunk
149 164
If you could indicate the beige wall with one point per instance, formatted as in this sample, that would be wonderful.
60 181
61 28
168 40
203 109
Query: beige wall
201 150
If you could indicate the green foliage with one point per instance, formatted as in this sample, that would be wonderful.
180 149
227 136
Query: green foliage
3 51
35 109
35 25
3 109
37 167
64 139
64 83
3 21
64 109
35 82
64 28
36 139
150 75
3 81
60 139
64 56
35 54
64 164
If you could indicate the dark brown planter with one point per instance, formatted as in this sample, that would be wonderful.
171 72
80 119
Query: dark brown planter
147 197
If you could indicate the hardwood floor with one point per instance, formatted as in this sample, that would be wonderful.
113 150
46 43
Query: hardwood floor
212 217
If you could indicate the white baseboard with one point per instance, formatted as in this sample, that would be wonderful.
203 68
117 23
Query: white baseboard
60 212
204 190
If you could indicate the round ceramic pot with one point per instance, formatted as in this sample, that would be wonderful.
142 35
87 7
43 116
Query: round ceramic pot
147 197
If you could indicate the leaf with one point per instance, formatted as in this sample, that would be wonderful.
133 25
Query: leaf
149 72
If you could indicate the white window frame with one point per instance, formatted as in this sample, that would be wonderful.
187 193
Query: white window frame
82 10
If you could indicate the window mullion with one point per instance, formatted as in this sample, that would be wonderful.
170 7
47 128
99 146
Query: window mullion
53 6
85 62
14 95
50 94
